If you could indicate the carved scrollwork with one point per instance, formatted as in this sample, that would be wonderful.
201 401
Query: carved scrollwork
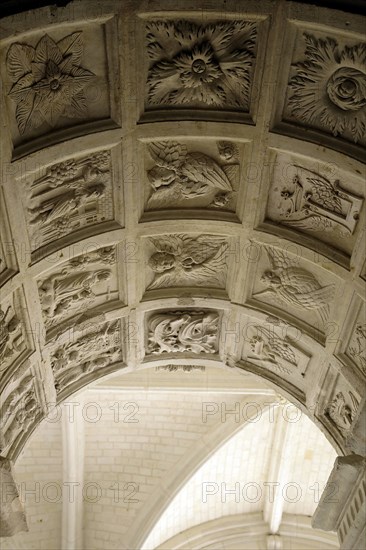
329 87
179 331
70 195
202 65
295 286
181 368
180 260
180 177
48 81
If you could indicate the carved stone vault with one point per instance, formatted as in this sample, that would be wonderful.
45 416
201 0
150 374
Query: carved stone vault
182 184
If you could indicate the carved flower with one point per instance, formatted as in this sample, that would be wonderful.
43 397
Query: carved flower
200 64
330 87
48 80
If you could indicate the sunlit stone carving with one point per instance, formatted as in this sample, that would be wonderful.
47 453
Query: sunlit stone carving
342 409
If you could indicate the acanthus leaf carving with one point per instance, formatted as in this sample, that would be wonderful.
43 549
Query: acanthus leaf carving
180 260
329 87
195 64
48 81
183 331
179 175
295 286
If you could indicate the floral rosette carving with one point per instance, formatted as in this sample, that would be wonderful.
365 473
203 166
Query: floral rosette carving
330 87
198 64
48 81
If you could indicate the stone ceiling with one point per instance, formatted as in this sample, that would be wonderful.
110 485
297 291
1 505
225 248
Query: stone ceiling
183 185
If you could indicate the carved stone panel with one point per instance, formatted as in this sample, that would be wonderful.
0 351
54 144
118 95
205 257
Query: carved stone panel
85 357
77 288
327 85
316 199
356 347
56 79
206 66
281 282
183 175
182 260
14 342
339 405
182 331
69 196
273 348
20 408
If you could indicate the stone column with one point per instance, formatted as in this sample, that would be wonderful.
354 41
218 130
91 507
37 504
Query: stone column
342 507
12 517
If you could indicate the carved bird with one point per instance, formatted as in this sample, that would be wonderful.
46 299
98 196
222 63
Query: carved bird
295 286
180 258
187 174
270 347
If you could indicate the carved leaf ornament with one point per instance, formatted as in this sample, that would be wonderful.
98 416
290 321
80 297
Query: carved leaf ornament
330 87
48 81
204 64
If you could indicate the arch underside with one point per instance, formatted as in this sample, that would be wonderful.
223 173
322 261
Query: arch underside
182 188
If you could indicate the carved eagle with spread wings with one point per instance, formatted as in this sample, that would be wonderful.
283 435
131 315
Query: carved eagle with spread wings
295 286
181 259
188 175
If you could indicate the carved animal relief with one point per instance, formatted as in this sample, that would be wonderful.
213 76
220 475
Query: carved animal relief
310 202
329 88
72 290
183 178
294 286
49 81
94 351
180 260
200 65
268 349
70 195
342 409
179 331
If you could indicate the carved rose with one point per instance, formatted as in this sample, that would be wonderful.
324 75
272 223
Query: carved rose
347 89
329 87
197 64
48 81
